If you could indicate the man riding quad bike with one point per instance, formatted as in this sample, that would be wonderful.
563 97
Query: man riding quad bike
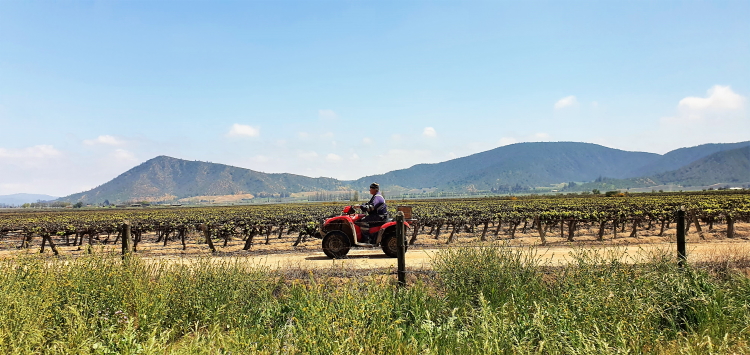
351 229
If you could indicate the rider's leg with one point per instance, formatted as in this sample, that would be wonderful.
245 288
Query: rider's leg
372 221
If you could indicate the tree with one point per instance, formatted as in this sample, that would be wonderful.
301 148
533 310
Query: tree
78 204
596 191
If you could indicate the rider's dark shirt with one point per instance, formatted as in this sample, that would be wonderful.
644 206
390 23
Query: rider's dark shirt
376 206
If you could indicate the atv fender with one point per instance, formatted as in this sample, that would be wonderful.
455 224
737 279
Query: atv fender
388 225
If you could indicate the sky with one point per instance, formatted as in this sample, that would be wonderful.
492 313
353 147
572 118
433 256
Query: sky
345 89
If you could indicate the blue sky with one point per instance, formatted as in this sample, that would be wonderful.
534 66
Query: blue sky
352 88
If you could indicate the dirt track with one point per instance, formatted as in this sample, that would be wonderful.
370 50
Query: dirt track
276 251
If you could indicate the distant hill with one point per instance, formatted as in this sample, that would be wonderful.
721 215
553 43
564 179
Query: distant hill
513 168
723 167
20 199
680 157
526 164
165 179
728 166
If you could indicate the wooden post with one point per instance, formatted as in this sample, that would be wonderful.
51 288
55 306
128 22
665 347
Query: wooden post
183 231
681 252
401 241
127 239
730 226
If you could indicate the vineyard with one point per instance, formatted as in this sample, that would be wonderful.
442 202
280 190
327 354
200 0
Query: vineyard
487 218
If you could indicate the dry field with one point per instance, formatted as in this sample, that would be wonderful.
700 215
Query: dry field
279 252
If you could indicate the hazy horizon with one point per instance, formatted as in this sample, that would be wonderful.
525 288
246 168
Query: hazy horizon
348 89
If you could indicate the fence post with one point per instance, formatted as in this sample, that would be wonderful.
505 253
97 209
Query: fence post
127 239
681 253
401 241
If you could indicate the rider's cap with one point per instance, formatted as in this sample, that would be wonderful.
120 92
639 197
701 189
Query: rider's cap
375 186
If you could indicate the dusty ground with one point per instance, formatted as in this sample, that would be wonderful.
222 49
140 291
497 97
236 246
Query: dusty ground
279 251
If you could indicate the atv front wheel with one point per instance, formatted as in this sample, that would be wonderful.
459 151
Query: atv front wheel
336 244
390 245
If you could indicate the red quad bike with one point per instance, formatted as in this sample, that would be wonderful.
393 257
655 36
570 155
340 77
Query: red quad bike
341 233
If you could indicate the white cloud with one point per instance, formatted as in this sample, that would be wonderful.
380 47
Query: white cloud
541 135
354 157
722 106
367 141
327 114
303 135
403 158
104 139
327 135
429 132
333 157
719 98
240 130
396 137
35 152
124 156
566 102
506 141
28 170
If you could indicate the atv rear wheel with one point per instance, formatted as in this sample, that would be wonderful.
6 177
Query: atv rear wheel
336 244
390 244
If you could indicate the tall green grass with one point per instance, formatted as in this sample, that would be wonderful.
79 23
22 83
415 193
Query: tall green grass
482 300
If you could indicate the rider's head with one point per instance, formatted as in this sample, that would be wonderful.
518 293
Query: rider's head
374 188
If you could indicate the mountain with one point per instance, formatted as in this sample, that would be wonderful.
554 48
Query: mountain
511 168
723 167
681 157
527 164
727 166
165 179
20 199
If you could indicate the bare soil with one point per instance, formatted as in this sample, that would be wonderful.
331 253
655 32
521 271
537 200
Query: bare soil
279 252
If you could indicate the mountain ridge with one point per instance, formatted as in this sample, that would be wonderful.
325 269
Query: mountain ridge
21 198
511 168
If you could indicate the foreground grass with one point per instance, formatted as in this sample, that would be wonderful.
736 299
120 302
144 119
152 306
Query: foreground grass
483 300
